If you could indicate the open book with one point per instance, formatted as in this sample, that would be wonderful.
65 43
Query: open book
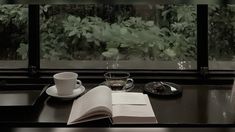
121 107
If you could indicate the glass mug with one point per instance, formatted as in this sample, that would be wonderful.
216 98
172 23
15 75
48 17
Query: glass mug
118 81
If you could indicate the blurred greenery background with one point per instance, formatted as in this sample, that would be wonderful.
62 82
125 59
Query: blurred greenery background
123 32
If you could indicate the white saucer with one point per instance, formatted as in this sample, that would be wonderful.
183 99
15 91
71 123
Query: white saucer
52 91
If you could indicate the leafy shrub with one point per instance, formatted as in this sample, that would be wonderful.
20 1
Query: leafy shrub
85 32
221 32
13 31
71 36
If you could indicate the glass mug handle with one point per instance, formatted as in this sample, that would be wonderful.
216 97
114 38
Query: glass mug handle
129 84
79 82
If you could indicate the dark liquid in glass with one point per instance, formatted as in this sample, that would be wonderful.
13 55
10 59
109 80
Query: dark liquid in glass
116 84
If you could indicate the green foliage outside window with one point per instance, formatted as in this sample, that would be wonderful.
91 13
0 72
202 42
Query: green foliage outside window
13 32
82 33
221 32
87 35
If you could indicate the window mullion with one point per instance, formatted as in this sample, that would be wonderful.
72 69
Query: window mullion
34 40
202 40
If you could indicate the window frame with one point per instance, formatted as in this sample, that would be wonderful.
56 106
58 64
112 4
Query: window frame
201 75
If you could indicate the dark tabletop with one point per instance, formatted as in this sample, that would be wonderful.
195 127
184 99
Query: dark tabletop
199 105
119 129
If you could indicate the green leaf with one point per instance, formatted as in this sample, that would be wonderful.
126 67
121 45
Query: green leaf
112 52
72 33
23 50
161 46
170 52
124 45
97 42
123 31
150 23
72 18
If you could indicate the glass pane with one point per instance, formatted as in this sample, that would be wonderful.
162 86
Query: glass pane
136 36
222 37
13 36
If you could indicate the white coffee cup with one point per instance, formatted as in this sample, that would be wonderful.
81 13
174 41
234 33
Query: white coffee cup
66 82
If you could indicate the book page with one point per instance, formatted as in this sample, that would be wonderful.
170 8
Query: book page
134 114
95 102
128 98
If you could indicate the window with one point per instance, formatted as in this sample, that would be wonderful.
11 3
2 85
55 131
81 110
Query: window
138 36
134 36
221 37
13 36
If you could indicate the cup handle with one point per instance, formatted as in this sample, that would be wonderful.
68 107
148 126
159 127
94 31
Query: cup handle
129 80
79 82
